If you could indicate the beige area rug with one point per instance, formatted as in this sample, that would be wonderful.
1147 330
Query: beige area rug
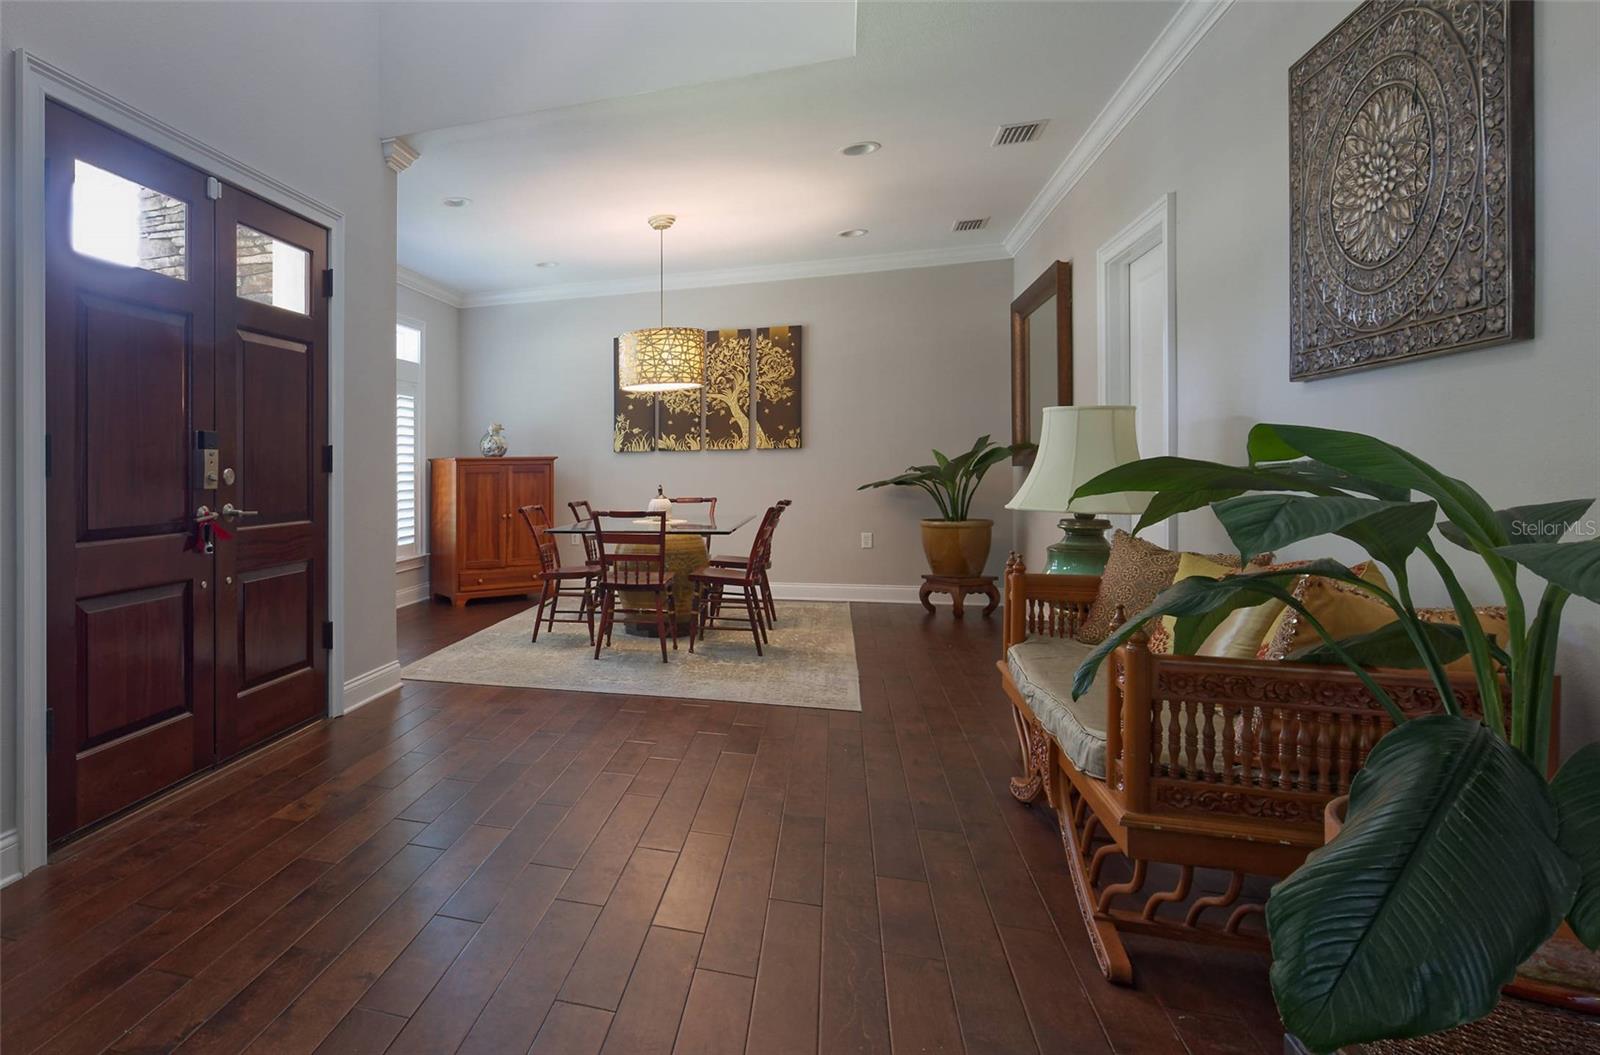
810 662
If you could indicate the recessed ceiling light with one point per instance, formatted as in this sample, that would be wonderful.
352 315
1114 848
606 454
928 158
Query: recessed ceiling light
866 146
548 263
457 203
854 232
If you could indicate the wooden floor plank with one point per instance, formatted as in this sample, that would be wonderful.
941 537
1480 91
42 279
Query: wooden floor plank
783 1015
602 969
652 1004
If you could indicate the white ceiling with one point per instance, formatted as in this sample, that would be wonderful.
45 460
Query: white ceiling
751 165
458 63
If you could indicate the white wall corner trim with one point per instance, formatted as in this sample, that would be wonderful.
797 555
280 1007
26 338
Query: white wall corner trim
428 287
10 858
364 688
416 593
36 82
743 276
1158 63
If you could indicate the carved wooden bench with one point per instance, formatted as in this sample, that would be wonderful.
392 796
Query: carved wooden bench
1207 763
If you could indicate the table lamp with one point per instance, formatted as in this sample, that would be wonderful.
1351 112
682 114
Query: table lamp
1076 444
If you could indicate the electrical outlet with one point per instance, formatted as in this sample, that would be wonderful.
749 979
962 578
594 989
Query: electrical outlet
866 540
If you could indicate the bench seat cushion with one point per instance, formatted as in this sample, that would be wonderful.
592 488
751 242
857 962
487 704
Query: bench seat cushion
1042 668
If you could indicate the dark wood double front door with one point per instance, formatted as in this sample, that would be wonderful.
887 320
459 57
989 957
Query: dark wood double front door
186 377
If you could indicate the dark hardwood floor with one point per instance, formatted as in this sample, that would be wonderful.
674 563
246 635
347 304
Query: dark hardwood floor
459 868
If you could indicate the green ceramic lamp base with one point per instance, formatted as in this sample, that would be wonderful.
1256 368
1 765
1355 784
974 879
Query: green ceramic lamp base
1083 549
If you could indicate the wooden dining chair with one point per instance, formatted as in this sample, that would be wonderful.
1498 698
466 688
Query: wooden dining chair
711 512
767 602
591 548
711 585
642 568
556 582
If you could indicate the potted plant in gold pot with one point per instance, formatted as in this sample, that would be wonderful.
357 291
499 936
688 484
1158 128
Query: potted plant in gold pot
955 544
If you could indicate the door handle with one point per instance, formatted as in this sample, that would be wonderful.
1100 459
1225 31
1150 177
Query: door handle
230 510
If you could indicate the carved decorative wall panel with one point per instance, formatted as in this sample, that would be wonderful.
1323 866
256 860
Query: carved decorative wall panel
1411 184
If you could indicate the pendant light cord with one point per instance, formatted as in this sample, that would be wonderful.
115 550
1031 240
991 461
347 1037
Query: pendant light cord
661 274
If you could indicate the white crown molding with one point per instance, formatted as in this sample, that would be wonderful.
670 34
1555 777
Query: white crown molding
428 287
741 276
1158 63
399 154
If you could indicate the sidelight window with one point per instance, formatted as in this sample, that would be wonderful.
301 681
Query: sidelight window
408 440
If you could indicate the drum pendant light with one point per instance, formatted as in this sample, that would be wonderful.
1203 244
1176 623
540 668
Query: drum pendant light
662 358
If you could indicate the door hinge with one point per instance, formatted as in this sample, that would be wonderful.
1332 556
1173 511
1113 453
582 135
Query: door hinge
327 282
327 636
47 456
213 188
49 728
327 458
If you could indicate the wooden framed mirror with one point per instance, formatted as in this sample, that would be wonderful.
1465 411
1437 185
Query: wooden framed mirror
1041 353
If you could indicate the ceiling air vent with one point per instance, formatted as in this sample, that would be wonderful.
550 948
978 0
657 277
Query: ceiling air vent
1026 132
970 225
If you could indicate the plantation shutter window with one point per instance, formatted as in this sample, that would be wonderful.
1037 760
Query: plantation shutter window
408 444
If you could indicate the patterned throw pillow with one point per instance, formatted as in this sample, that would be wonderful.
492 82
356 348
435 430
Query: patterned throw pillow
1135 572
1241 632
1345 610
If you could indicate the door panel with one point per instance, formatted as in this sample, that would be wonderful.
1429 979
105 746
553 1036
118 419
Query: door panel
132 453
122 688
527 485
272 370
129 377
482 517
276 473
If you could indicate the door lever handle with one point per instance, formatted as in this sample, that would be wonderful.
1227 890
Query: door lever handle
230 510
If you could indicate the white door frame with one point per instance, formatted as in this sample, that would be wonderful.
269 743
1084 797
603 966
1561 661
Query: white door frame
1155 228
36 82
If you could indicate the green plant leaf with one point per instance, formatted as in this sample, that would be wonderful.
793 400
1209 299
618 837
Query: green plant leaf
1576 790
1390 645
1447 876
1168 473
1392 534
1315 472
1266 522
1384 463
1573 566
1541 522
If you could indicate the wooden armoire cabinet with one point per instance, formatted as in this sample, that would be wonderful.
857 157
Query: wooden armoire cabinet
478 546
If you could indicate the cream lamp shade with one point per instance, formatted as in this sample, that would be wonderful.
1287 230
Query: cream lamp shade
1076 444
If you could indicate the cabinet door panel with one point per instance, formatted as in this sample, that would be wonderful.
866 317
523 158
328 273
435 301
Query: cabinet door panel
481 517
527 485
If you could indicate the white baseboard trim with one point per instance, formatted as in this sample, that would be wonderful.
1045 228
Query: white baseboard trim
364 688
841 591
10 858
414 594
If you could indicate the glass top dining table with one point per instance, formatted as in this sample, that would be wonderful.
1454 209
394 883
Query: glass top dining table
697 524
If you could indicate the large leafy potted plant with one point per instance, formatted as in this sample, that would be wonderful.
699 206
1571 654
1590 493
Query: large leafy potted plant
1458 857
955 544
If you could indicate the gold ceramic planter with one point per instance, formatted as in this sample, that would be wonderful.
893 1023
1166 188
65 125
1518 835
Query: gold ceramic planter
956 547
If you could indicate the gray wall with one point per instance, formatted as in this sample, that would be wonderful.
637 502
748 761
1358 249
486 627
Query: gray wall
1518 421
441 366
894 363
291 90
